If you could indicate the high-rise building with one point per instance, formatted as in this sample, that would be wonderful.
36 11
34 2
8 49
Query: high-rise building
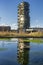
23 16
23 49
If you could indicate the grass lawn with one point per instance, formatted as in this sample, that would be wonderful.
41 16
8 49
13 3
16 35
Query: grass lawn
34 40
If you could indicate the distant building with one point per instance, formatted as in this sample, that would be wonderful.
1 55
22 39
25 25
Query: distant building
34 30
23 16
15 31
5 28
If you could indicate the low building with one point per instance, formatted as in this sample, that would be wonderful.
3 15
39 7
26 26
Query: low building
5 28
15 31
34 30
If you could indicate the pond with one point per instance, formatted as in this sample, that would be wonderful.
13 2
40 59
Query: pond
17 52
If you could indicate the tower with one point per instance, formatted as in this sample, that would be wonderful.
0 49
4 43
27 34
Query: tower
23 50
23 16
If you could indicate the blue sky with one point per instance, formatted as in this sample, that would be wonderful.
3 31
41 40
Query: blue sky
8 12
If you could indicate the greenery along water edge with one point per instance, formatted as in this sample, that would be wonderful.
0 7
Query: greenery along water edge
2 49
5 38
34 40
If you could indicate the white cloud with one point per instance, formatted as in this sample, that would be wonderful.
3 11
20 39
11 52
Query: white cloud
37 23
13 25
3 24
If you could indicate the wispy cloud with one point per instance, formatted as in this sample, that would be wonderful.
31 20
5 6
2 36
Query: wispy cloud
37 23
13 25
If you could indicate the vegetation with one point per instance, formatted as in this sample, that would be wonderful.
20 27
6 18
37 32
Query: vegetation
34 40
5 38
21 34
2 49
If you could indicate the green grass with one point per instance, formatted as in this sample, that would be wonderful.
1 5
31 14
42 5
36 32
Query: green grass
5 38
2 49
34 40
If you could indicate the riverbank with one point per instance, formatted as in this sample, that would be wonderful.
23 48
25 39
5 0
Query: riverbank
21 35
34 40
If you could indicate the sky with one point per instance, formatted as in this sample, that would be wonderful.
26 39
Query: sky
9 10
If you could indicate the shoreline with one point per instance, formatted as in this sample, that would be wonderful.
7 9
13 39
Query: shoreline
20 37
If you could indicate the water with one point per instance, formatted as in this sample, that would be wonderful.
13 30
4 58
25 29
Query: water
17 52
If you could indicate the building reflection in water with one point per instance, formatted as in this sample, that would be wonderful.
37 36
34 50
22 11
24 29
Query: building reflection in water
23 52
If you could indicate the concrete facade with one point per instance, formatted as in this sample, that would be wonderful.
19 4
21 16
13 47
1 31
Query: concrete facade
34 29
23 16
5 28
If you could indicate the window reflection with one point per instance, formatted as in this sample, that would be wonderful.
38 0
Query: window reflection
23 52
